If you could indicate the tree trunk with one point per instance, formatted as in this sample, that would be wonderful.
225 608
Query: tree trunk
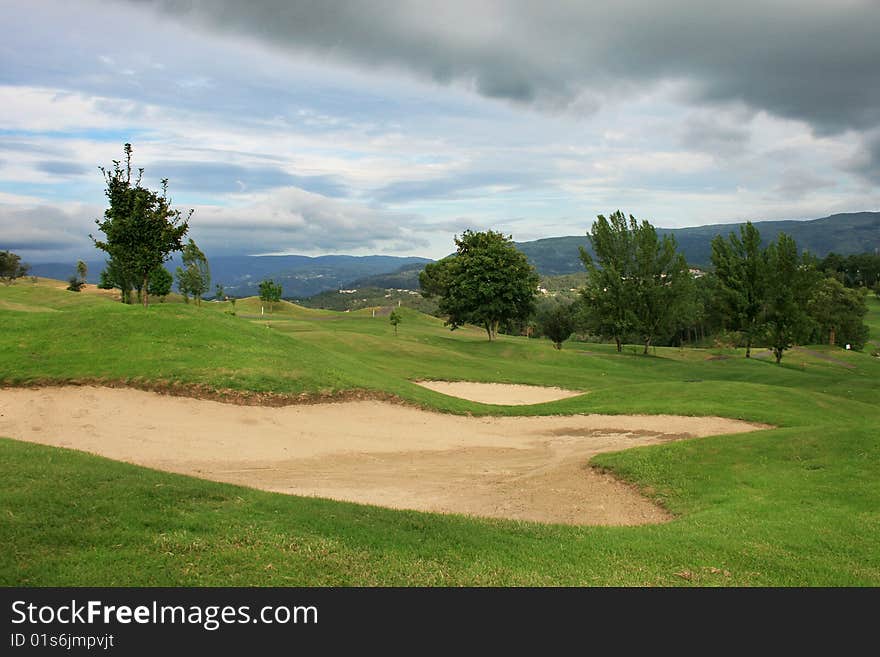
832 337
778 353
619 346
749 346
144 294
647 345
488 330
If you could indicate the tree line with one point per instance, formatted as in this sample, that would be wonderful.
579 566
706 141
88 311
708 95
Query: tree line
641 290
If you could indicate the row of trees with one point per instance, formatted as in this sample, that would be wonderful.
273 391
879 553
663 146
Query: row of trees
763 291
857 270
638 282
639 287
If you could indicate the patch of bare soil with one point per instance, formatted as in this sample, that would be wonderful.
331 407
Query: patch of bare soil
504 394
825 357
374 452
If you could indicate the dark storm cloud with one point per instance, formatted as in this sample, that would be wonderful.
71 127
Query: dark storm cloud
807 59
711 136
866 163
216 177
36 232
797 183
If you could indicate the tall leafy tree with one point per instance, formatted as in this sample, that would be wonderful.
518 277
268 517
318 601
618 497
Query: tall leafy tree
141 228
194 278
609 295
740 278
638 282
839 313
487 282
663 284
790 283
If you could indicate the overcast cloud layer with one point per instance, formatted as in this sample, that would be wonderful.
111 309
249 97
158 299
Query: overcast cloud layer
384 127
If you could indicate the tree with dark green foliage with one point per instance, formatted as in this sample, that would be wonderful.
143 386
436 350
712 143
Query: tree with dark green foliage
395 319
160 283
194 278
609 294
663 285
218 292
270 292
790 281
739 281
141 229
82 270
487 282
638 282
434 279
856 270
11 267
115 275
839 313
558 324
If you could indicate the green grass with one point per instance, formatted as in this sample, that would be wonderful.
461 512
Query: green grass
873 321
795 505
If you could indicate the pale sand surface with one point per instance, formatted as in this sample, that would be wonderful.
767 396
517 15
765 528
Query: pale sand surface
505 394
529 468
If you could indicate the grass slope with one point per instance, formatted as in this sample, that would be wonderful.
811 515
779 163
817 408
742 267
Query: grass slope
796 505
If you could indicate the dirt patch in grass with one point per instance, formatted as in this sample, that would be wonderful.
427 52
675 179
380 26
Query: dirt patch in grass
527 468
823 356
503 394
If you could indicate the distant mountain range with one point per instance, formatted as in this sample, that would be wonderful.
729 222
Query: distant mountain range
304 276
300 276
846 234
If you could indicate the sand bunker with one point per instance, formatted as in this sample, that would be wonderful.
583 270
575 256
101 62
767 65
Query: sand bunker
530 468
504 394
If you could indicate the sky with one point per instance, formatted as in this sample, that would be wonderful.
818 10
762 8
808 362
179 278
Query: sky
306 127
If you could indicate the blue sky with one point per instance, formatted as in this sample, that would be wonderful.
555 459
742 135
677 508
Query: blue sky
343 127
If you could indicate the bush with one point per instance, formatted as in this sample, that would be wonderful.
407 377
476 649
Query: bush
558 325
